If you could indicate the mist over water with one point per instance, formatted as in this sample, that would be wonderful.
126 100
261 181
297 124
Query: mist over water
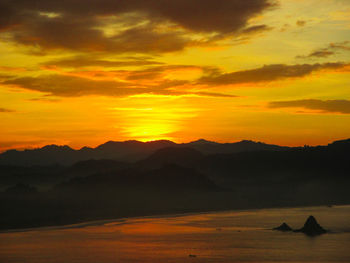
235 236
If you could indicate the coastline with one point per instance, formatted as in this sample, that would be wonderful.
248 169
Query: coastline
98 222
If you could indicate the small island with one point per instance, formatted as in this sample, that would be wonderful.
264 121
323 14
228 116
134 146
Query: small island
284 228
311 227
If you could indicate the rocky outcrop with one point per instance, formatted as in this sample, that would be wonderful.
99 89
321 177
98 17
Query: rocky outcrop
311 228
284 227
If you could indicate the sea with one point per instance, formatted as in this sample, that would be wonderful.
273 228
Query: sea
230 236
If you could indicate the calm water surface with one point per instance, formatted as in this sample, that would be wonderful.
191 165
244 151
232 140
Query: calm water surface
241 236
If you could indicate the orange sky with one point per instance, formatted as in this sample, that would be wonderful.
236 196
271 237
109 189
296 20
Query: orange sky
85 72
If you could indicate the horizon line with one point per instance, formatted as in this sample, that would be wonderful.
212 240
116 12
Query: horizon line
159 140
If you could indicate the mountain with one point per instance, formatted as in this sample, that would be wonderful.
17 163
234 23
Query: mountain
341 144
47 155
305 163
209 147
127 151
88 167
168 177
183 156
64 155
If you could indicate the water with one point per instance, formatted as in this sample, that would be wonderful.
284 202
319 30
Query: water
241 236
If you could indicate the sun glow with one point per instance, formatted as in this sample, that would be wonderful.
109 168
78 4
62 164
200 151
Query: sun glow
154 123
150 131
142 72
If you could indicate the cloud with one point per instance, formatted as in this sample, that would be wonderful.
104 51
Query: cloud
159 72
284 27
256 29
155 74
213 94
341 45
3 110
44 99
88 61
322 53
325 106
70 86
12 69
301 23
173 80
330 50
82 36
266 73
126 26
73 86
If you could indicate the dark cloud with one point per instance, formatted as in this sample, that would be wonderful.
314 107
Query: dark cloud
62 33
64 24
145 39
226 16
330 50
266 73
5 110
325 106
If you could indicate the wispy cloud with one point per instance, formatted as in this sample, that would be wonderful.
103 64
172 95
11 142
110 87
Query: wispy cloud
267 73
173 80
324 106
73 86
3 110
91 61
301 23
330 50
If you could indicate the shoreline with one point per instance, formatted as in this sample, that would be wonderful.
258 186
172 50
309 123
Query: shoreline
165 215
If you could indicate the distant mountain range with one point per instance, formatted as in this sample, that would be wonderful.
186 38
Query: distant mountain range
59 185
129 151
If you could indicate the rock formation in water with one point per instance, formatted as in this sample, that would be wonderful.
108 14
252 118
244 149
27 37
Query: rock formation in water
311 228
284 227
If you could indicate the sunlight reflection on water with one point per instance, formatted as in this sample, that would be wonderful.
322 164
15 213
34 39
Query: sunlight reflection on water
241 236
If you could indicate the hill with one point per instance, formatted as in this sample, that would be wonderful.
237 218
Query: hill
128 151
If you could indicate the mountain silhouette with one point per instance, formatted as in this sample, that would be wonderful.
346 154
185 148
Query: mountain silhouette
169 176
129 151
183 156
209 147
59 185
92 166
64 155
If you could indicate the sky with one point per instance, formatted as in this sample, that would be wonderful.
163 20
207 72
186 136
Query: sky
83 72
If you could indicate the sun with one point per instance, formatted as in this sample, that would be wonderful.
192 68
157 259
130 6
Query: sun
150 130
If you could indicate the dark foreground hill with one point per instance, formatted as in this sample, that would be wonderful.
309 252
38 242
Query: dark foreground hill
174 179
170 177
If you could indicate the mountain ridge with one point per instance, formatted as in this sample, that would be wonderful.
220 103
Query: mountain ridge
133 150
